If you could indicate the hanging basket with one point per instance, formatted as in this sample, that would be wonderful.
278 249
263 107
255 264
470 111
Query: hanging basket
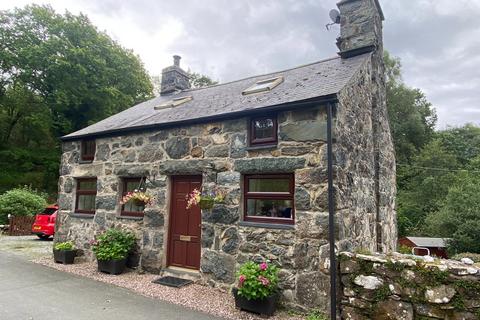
206 204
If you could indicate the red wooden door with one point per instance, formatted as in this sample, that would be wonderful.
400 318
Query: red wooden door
184 235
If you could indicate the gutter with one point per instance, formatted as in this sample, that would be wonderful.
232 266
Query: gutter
250 112
331 213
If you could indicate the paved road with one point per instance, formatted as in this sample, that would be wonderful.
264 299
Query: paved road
33 292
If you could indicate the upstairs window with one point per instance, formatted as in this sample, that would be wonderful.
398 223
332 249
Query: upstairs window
86 195
88 150
263 131
263 85
131 208
269 198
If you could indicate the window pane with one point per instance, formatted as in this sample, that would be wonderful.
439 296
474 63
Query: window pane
269 208
87 185
86 202
269 185
131 185
263 128
131 207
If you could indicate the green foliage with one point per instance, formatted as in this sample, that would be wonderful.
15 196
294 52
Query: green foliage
405 249
198 80
257 281
113 244
474 256
316 315
64 246
21 202
382 293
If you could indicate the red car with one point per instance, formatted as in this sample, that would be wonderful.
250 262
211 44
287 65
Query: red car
44 225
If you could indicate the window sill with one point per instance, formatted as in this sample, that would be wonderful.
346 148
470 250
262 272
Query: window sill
266 225
85 161
262 147
82 215
130 217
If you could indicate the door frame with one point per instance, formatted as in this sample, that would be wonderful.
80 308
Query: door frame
174 178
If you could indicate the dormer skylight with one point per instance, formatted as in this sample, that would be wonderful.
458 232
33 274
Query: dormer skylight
175 102
263 85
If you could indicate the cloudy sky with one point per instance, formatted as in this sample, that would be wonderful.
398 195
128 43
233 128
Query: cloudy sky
438 41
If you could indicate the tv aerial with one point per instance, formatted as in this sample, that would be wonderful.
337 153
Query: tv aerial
335 16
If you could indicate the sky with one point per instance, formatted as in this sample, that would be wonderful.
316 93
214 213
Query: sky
438 41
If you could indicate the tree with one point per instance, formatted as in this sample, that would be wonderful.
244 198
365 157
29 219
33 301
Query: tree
198 80
81 74
412 117
459 217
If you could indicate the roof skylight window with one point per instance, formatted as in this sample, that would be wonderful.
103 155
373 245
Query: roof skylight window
175 102
263 85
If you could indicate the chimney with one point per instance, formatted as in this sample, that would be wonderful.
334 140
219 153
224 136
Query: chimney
360 27
174 78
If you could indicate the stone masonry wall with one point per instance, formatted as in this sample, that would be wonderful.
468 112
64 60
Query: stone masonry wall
219 152
404 287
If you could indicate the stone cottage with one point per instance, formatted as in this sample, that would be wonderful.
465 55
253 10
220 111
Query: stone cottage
263 140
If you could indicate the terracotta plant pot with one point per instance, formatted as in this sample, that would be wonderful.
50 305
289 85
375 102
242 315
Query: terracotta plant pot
64 256
206 204
265 306
112 266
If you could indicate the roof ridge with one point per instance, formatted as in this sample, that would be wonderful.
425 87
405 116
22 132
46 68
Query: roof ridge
261 75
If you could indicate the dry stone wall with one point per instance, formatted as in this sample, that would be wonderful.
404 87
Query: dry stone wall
405 287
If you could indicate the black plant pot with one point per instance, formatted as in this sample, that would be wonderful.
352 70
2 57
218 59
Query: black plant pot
64 256
133 260
111 266
265 306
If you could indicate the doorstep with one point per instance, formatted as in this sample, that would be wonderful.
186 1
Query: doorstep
183 273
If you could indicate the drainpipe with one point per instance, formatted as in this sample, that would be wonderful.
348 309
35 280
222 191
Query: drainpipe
331 216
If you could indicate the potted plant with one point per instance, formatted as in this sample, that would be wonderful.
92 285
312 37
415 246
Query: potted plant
64 252
138 197
205 200
112 248
257 288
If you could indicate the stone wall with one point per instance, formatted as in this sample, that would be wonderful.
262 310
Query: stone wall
406 287
219 152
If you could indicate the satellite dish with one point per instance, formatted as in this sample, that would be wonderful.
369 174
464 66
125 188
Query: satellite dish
335 16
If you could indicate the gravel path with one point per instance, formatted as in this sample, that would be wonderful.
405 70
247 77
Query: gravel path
193 296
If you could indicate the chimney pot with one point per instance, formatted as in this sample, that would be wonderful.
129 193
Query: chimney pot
176 60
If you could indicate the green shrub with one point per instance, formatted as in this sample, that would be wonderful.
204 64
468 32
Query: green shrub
316 315
257 281
21 202
474 256
405 249
113 244
66 246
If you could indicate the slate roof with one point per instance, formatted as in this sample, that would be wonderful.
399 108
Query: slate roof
319 79
428 242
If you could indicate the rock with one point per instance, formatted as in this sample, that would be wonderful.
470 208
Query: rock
228 178
467 261
238 146
158 239
99 219
161 136
428 258
150 153
368 282
315 130
302 199
429 311
296 151
139 142
350 313
217 151
220 266
393 310
177 147
312 289
208 234
221 214
153 219
106 202
196 166
269 165
103 152
439 295
197 152
231 241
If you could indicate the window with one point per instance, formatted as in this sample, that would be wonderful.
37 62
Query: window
269 198
263 131
86 193
173 103
88 150
263 85
130 208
